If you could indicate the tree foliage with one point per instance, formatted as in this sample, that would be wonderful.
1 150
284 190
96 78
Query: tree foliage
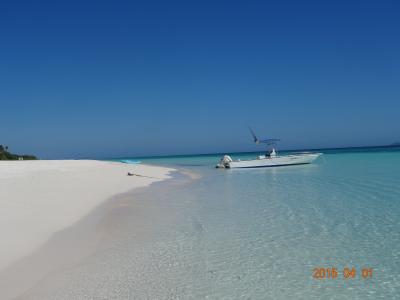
5 155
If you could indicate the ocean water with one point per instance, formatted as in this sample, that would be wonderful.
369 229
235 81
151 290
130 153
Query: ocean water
253 234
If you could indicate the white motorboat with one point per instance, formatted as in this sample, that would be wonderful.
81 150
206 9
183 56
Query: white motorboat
271 159
264 161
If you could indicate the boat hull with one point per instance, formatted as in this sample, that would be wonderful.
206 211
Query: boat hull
278 161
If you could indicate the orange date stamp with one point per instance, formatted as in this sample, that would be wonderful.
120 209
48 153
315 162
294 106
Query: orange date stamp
346 273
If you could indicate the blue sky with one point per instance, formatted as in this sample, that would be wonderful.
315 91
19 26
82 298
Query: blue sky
126 78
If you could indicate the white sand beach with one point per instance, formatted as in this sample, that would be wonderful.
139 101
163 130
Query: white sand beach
40 198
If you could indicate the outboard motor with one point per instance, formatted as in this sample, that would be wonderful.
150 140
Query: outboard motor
224 162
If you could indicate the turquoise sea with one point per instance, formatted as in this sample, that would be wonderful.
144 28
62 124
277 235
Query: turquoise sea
257 234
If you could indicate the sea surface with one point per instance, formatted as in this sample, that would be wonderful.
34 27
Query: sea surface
254 233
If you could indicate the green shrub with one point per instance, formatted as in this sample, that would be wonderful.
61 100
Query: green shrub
5 155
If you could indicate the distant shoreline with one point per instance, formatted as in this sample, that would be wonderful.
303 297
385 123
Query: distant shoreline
6 155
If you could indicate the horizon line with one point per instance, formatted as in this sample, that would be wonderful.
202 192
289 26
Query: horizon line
236 152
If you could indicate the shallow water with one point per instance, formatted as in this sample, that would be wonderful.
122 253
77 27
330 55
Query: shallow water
251 234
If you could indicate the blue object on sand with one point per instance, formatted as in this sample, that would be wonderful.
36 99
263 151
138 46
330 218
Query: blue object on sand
129 161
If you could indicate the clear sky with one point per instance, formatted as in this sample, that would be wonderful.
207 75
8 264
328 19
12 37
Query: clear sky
127 78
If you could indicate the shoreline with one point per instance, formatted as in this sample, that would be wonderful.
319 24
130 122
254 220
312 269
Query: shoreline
41 200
